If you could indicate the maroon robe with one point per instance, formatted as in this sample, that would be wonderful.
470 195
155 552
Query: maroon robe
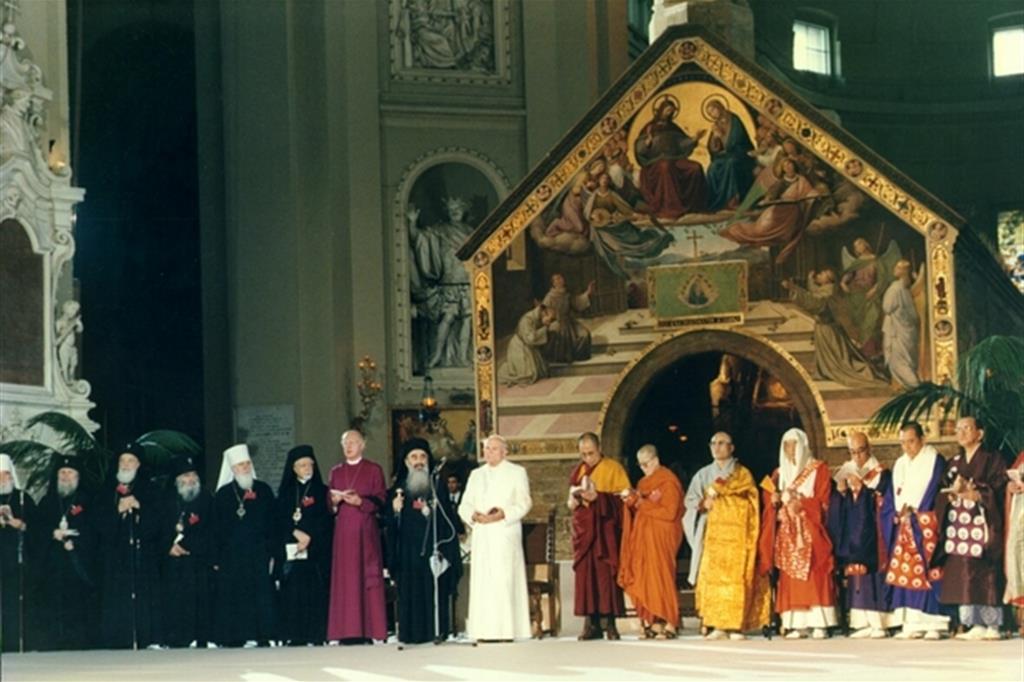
596 529
357 573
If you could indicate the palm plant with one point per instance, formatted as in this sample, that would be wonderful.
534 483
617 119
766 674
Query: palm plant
37 458
990 386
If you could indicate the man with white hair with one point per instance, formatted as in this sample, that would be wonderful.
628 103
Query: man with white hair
186 526
128 524
496 499
357 493
243 541
794 539
17 513
67 534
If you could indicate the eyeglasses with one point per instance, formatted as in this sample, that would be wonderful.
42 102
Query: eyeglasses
721 442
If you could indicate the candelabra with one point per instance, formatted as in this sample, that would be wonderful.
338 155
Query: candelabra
369 387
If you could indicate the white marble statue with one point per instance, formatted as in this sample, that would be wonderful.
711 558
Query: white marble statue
68 326
439 288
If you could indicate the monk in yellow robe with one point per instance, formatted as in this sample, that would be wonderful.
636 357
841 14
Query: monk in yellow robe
651 533
722 523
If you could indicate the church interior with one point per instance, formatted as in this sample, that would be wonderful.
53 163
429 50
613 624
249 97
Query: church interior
270 222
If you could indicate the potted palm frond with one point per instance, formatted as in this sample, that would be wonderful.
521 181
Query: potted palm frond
990 386
59 433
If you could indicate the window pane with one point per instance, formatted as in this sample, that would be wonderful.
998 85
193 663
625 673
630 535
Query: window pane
1008 51
812 47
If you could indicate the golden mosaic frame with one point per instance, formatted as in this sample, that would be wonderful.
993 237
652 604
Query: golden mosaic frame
939 235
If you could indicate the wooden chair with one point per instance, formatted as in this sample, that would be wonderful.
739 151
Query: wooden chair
542 575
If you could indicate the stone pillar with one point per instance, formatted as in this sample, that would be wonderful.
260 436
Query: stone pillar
730 19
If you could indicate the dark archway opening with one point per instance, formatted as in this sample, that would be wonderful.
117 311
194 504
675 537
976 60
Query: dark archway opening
692 398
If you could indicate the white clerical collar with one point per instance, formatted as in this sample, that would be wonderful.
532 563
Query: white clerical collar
355 462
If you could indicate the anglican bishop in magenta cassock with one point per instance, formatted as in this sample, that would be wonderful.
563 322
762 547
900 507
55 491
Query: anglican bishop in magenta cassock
496 499
357 494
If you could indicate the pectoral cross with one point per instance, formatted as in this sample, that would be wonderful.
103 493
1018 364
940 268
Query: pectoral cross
11 11
694 237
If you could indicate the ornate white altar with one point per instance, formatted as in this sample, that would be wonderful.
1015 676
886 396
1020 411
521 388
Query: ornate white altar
38 338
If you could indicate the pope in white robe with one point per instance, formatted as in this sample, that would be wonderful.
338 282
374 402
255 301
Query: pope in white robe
496 499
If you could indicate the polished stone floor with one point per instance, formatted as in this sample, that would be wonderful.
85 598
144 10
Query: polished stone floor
687 658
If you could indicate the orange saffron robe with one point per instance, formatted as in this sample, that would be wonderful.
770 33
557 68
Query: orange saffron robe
651 532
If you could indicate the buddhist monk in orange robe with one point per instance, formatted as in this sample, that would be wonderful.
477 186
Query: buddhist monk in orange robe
794 539
651 532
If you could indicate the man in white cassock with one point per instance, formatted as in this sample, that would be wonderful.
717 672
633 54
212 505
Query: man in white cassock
496 499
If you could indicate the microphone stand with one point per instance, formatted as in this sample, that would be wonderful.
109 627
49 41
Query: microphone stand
436 552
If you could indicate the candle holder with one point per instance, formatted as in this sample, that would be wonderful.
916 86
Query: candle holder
369 387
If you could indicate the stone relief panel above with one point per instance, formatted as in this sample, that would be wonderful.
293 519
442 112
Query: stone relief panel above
441 199
450 41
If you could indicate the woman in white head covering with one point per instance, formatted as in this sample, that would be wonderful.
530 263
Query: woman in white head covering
795 540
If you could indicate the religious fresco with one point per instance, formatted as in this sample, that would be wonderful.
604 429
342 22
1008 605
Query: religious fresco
693 203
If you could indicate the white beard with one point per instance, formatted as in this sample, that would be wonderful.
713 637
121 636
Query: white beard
417 483
303 480
188 491
66 489
126 476
244 481
6 488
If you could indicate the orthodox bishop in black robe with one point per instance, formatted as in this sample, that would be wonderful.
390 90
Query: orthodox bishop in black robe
304 528
186 532
244 544
66 587
128 525
415 526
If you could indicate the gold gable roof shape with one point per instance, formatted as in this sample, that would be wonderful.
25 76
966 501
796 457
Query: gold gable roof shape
695 45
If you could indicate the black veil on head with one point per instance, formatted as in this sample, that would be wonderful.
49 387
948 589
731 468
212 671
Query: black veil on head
403 452
288 478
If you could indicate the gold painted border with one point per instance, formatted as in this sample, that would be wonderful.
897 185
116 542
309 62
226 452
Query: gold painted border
939 235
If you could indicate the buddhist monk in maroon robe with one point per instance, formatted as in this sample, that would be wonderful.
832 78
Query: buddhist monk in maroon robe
357 492
596 505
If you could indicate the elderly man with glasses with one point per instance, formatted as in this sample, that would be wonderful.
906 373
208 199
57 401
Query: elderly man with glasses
853 517
722 524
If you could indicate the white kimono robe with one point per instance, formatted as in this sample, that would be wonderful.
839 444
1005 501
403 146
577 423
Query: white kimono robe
499 606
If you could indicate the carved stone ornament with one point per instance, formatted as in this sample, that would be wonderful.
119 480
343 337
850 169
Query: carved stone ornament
40 200
450 41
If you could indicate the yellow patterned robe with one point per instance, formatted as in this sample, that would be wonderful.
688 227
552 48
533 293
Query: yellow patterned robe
729 593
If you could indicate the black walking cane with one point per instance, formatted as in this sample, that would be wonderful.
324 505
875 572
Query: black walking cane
133 541
21 577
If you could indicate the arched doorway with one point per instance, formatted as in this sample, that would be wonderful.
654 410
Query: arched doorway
695 383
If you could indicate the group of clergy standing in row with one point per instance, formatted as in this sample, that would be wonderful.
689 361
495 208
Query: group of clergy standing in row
138 565
931 549
912 552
